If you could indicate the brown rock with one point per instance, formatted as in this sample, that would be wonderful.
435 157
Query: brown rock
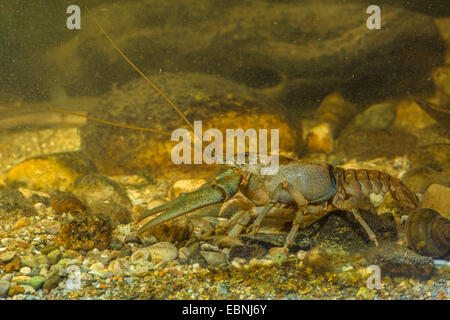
246 252
57 171
437 197
92 188
362 144
174 230
13 265
86 233
66 203
22 222
419 179
14 290
13 203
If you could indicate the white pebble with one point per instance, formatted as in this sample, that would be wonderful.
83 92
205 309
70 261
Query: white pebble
25 270
97 267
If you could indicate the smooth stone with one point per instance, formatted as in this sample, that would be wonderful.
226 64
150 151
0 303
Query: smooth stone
7 256
52 281
28 289
125 252
36 282
34 261
141 254
57 171
163 251
7 277
97 267
25 270
54 256
4 287
21 279
419 179
119 266
132 238
437 197
378 116
148 239
214 258
116 244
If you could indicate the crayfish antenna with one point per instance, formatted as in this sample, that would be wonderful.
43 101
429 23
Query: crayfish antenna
147 79
108 122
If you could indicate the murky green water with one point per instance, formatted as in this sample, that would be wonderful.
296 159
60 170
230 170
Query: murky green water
359 87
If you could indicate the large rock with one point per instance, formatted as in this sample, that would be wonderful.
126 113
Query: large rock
293 51
218 103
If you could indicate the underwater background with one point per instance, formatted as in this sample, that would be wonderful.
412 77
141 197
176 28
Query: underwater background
338 89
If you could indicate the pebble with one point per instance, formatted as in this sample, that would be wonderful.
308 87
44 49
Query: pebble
246 252
36 282
254 263
14 290
22 222
184 253
437 197
230 242
119 266
66 203
320 138
163 251
378 116
214 258
99 256
148 239
6 241
365 293
238 262
7 256
25 270
419 179
34 261
278 252
54 256
28 289
4 287
97 267
116 244
125 252
318 259
132 238
52 281
53 228
141 254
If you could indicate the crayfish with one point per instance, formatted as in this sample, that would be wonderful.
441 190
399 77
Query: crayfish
308 189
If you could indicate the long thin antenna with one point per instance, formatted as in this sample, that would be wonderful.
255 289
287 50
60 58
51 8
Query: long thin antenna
150 82
108 122
147 79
